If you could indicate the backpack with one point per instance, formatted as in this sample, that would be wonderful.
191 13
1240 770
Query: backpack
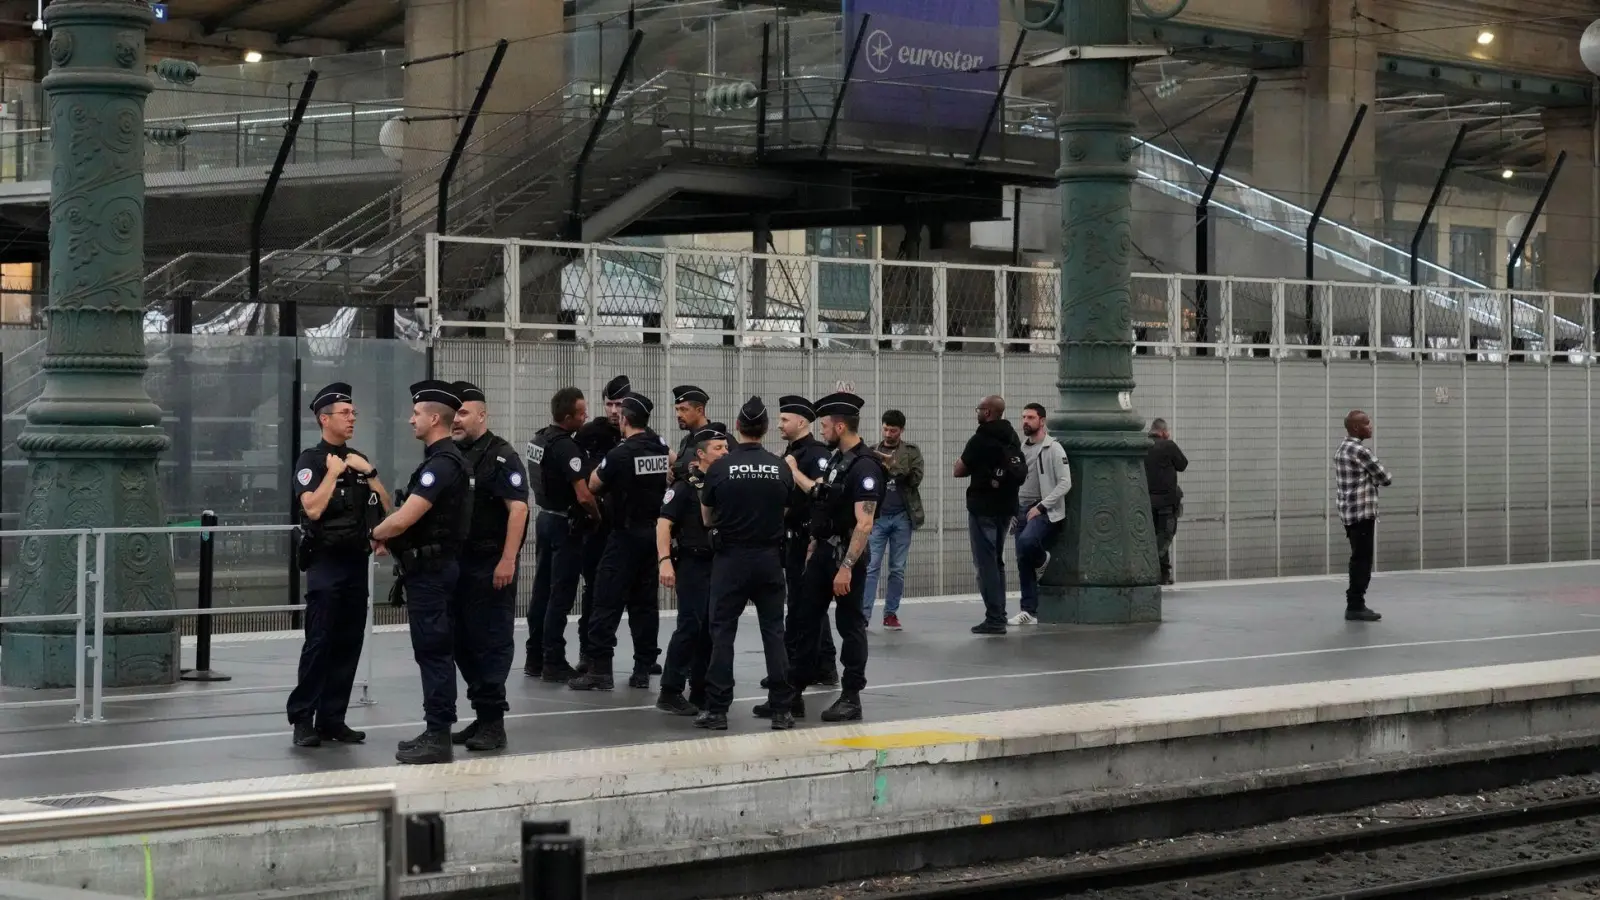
1013 469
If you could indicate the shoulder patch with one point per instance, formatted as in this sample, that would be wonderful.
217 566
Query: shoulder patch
869 482
427 479
822 464
516 479
303 476
667 497
577 464
664 441
499 459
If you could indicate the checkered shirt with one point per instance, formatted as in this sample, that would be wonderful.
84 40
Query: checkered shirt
1357 475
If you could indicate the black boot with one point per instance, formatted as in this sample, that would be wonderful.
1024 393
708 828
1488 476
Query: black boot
428 748
582 668
559 673
598 678
797 709
712 721
466 734
672 703
846 709
782 721
341 733
490 735
829 676
306 736
640 679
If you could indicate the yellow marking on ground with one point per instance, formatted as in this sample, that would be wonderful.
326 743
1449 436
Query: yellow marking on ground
904 739
986 819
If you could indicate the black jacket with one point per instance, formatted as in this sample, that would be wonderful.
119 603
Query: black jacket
984 455
1162 463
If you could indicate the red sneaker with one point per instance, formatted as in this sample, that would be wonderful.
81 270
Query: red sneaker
891 623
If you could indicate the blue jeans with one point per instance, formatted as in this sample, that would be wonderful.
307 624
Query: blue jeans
1034 537
891 533
988 537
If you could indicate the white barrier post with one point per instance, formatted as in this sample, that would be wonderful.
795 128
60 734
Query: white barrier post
98 655
366 647
80 643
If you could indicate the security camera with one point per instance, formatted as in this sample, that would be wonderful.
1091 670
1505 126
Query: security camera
38 26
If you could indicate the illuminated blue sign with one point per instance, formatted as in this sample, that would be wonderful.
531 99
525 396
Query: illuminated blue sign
160 9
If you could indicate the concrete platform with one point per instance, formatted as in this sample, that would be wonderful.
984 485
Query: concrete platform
1216 637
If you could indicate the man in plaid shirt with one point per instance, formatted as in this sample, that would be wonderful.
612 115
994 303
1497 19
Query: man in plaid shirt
1357 475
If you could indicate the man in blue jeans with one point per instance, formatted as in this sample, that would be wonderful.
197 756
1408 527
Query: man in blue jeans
991 504
1041 507
900 514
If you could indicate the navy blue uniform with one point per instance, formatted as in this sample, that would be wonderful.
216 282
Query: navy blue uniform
811 457
747 491
334 553
483 617
558 463
634 475
597 438
854 476
429 554
689 649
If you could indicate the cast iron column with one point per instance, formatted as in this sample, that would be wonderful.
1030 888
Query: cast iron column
93 435
1103 566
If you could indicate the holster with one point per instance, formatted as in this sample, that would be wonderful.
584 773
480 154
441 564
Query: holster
397 595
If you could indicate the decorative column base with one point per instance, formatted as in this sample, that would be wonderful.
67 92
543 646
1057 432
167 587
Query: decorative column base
48 661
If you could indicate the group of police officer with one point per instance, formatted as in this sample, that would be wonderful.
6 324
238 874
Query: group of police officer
455 534
725 522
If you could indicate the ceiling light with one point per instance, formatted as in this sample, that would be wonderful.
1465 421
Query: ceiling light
1508 174
1485 38
252 56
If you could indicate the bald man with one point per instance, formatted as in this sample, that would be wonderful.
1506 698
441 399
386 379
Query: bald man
994 462
1357 475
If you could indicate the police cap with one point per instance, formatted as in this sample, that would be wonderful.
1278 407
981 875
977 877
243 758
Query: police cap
468 392
688 393
434 391
338 392
637 401
715 431
797 405
842 403
753 412
617 388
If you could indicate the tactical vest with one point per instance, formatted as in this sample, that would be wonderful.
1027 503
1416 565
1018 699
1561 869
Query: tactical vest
833 513
487 531
448 520
347 519
544 485
691 537
638 505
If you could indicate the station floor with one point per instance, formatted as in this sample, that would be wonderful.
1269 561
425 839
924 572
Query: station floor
1213 637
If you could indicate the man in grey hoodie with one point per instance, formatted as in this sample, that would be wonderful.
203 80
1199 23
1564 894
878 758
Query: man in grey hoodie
1041 507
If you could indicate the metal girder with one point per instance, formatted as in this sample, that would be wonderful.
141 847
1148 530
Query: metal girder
1218 45
1461 80
326 8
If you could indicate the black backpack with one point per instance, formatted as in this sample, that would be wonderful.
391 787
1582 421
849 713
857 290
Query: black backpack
1013 469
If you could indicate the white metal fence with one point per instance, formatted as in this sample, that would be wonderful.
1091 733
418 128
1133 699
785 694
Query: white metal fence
1486 427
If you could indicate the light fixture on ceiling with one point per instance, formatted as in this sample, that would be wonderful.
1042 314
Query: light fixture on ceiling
1508 174
252 56
1485 38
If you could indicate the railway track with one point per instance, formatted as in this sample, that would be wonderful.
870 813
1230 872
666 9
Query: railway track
1463 884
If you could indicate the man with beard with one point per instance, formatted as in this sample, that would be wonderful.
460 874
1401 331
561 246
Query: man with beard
561 490
795 415
1041 507
994 462
689 404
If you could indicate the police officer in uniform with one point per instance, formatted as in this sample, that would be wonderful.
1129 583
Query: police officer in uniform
689 404
744 498
634 476
566 509
484 613
844 504
683 545
597 438
340 498
425 535
795 415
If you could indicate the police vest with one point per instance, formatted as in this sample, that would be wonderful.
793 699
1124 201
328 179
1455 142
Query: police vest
487 531
447 521
352 511
547 487
691 537
797 515
639 491
833 511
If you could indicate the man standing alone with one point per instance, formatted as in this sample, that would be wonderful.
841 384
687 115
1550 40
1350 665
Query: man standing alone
1357 475
993 460
1162 463
900 514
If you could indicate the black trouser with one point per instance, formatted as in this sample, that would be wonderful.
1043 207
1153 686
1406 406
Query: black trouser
483 621
429 589
741 575
689 650
336 627
794 570
1166 522
594 547
815 595
558 563
1362 534
626 580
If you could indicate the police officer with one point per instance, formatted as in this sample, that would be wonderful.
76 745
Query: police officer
484 612
425 536
683 545
744 498
339 495
634 475
561 491
597 438
844 504
689 404
795 415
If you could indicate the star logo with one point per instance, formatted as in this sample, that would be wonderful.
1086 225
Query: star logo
880 51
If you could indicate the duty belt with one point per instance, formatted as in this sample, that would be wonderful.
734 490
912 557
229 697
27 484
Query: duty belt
413 559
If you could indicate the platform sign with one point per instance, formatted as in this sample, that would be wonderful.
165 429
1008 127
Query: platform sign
924 62
160 9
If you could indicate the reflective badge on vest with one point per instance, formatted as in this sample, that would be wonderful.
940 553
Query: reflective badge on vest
535 453
650 465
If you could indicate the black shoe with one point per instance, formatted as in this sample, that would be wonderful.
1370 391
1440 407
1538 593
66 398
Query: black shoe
828 677
782 722
428 748
532 670
988 628
797 709
639 679
489 736
559 673
582 668
712 721
766 683
655 668
466 734
593 681
674 704
341 734
306 736
845 709
1361 614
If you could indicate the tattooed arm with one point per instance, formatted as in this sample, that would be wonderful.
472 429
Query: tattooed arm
865 512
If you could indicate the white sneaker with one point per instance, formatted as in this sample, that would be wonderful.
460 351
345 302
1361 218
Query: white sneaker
1023 618
1044 563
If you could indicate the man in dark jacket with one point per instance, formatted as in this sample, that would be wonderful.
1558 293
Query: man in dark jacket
991 503
1162 463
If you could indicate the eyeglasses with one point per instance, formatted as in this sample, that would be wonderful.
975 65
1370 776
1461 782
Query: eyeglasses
344 413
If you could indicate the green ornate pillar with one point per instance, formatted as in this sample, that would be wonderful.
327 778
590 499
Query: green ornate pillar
93 435
1103 567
